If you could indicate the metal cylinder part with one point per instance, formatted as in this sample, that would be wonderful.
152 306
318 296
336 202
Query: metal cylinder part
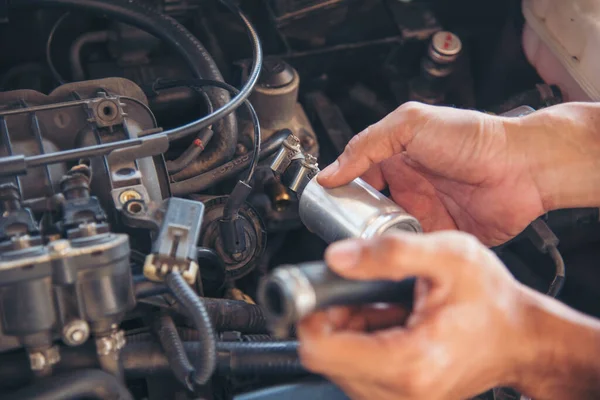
355 210
276 93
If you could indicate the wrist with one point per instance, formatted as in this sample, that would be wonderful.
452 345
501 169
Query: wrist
559 148
562 347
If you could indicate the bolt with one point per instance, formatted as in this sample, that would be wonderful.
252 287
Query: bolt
10 198
76 332
20 241
38 360
59 246
86 230
76 183
129 194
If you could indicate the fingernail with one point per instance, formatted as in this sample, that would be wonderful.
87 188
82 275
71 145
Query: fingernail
330 170
343 255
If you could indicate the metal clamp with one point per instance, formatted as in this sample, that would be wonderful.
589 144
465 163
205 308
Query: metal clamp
110 344
288 152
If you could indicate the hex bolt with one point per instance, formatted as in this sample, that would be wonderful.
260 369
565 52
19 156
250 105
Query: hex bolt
76 333
41 359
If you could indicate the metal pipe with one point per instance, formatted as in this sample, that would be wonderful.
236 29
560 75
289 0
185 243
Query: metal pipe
75 53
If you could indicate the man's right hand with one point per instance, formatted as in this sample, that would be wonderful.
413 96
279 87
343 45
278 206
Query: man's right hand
486 175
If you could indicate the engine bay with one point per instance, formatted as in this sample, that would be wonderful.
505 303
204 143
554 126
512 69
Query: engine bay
154 154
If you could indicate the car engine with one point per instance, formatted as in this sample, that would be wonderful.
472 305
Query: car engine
153 160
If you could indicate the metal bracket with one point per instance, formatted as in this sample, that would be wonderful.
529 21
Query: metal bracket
106 111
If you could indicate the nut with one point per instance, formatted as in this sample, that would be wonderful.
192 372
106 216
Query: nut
38 360
129 194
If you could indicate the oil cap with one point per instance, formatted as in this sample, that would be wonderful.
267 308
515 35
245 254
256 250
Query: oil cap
445 47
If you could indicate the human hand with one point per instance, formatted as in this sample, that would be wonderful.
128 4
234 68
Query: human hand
468 331
450 168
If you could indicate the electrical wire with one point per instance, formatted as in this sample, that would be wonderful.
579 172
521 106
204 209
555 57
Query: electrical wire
199 144
221 112
162 84
53 69
559 277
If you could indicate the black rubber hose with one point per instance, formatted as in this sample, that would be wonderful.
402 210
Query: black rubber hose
259 358
198 145
225 315
228 170
88 384
168 29
55 74
166 331
143 359
206 359
192 335
191 153
222 85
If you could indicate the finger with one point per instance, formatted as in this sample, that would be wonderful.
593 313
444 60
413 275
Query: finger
373 145
367 318
394 256
374 177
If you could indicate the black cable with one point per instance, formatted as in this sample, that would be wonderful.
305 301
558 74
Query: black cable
542 237
127 11
228 170
162 84
166 331
559 278
207 359
53 69
198 145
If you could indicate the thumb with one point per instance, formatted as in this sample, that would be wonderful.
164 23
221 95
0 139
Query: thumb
393 256
373 145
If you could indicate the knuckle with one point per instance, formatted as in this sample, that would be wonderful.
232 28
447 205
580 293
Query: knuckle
356 142
460 246
412 108
389 246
